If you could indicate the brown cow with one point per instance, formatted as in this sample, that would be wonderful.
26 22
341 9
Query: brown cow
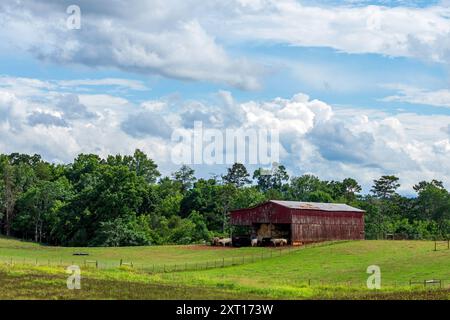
215 241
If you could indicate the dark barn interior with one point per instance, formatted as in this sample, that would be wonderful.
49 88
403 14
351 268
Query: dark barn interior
269 230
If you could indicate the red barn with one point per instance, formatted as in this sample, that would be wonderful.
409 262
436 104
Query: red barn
302 222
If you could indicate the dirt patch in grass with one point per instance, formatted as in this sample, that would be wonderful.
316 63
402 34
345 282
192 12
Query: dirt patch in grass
207 247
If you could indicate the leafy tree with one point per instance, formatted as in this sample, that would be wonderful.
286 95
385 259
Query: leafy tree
385 187
16 178
104 193
117 201
320 196
139 163
301 187
225 195
433 203
167 186
271 180
121 232
81 172
422 185
31 161
169 205
182 231
39 208
144 167
237 175
203 198
185 177
246 198
200 232
279 177
274 194
350 188
263 179
375 221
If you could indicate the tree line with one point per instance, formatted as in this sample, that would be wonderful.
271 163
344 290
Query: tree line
124 201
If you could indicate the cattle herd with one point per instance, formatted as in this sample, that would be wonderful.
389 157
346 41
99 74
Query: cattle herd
254 242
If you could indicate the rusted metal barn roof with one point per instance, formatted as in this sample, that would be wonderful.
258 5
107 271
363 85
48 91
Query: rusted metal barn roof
316 206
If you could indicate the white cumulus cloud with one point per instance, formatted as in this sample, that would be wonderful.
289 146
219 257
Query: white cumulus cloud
315 137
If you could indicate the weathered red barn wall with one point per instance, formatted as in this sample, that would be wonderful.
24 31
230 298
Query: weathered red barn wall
306 225
264 213
312 225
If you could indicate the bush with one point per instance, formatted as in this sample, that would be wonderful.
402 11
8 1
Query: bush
120 232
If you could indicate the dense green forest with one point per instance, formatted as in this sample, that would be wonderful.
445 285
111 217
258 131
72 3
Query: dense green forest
124 200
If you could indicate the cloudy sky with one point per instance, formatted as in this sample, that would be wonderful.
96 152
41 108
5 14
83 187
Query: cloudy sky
355 88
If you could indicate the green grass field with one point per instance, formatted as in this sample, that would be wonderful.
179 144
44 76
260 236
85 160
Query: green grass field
325 271
141 257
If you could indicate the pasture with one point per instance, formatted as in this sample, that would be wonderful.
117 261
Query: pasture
22 252
325 271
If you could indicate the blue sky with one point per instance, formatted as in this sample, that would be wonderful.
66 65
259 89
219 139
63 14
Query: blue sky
355 88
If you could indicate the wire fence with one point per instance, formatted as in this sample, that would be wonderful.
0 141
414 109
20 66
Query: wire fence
412 283
181 266
441 245
223 262
173 272
358 284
